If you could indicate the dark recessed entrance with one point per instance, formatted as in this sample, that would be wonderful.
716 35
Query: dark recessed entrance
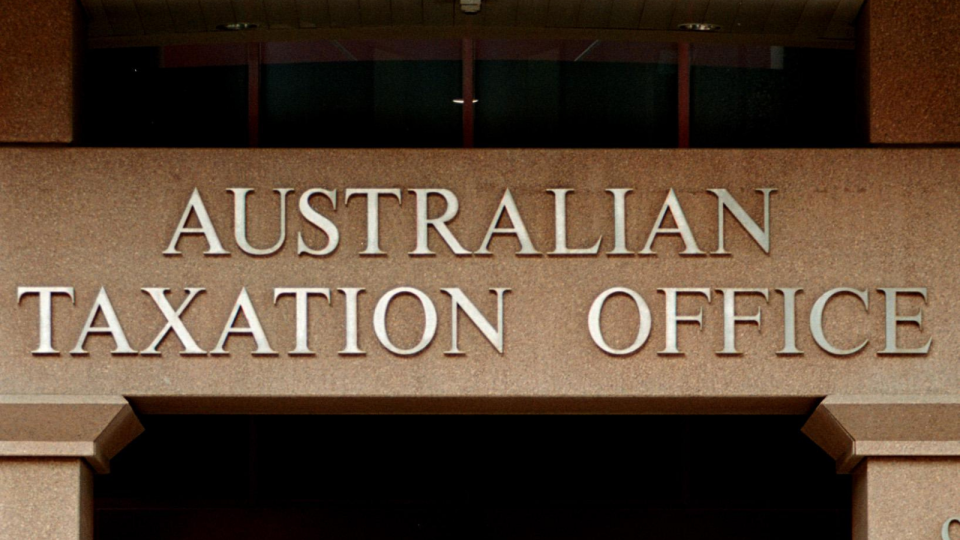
472 477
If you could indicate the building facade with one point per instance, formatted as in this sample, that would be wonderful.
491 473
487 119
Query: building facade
316 208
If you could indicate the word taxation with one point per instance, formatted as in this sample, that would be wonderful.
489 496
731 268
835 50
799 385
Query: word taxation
318 219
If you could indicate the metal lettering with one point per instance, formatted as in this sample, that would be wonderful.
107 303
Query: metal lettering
508 205
458 300
945 531
892 320
351 334
620 221
761 237
789 321
380 321
373 214
240 221
560 229
439 223
174 323
321 222
730 317
102 305
254 329
303 313
672 204
816 320
673 318
45 298
643 328
195 206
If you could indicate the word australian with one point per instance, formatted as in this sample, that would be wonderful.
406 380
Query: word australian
196 211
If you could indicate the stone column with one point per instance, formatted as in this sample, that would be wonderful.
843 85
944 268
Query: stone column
40 43
50 446
904 454
909 58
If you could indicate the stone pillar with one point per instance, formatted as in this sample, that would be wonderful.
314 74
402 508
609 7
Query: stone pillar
40 43
909 58
904 453
46 498
49 448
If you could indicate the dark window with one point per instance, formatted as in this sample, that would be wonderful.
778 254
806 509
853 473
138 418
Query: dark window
386 93
772 97
576 94
409 93
168 97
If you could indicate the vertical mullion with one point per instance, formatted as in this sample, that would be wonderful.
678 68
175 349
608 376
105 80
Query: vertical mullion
254 59
683 94
468 57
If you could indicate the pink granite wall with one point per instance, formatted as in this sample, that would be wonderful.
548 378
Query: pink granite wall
39 70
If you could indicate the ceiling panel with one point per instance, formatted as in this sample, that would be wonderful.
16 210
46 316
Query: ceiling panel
344 13
282 13
688 11
500 13
532 13
803 21
843 24
252 11
97 23
723 13
216 13
563 13
785 14
625 14
752 16
657 14
816 18
122 17
375 13
314 13
187 16
155 17
438 12
407 12
594 13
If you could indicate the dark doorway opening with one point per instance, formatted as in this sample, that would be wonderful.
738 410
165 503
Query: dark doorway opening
472 477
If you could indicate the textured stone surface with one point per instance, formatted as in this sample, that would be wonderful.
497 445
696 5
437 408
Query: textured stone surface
91 427
39 70
845 218
905 499
851 428
913 64
45 498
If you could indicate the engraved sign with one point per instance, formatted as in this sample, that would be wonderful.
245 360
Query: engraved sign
497 274
195 209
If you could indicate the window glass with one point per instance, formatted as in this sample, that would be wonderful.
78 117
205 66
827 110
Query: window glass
170 97
379 93
408 93
579 94
750 96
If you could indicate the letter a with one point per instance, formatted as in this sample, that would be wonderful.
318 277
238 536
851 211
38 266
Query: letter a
195 206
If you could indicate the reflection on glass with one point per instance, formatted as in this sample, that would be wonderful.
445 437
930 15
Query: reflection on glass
587 94
752 96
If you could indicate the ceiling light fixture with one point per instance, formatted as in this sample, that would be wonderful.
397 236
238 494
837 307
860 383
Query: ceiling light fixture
460 101
238 26
699 27
470 7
